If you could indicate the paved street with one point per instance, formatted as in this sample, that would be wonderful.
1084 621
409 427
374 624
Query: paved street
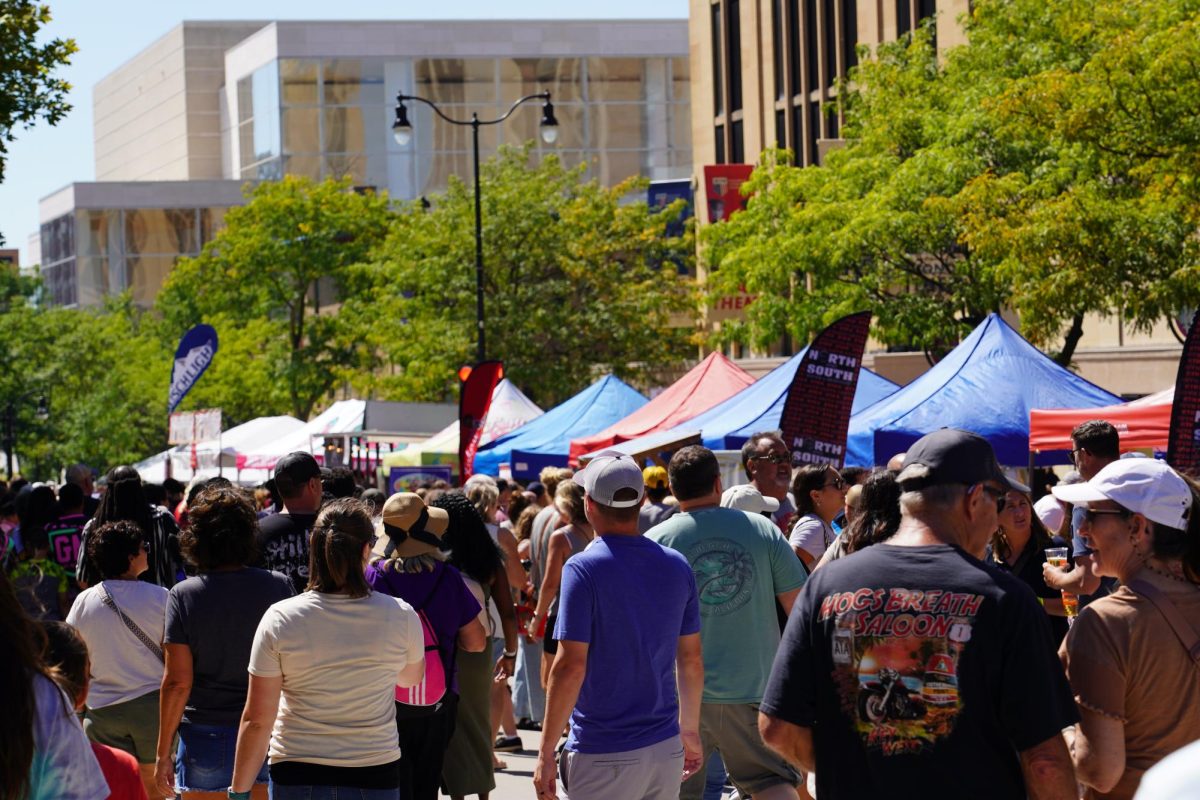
517 781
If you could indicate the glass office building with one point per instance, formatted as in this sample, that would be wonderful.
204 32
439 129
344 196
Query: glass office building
332 117
185 123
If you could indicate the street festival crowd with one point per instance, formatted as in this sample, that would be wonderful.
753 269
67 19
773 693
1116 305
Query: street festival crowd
935 628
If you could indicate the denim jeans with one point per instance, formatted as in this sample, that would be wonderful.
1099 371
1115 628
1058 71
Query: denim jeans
529 698
278 792
715 777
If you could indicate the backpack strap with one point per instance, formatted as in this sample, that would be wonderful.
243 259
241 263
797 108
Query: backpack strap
1183 629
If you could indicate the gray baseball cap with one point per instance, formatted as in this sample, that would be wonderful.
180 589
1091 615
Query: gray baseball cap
608 473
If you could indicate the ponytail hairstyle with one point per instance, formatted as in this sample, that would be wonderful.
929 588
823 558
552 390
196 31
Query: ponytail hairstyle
21 643
1172 543
335 560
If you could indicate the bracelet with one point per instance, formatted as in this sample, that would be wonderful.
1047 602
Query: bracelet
513 654
232 795
1042 600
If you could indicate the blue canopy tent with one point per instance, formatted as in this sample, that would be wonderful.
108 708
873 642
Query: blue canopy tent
758 407
987 384
546 440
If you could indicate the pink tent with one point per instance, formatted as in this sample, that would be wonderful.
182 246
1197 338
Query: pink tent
710 382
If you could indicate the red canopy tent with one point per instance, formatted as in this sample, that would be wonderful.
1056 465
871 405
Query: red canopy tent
712 381
1145 422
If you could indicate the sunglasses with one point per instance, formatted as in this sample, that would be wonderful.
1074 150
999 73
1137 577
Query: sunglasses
837 483
999 495
1090 514
774 458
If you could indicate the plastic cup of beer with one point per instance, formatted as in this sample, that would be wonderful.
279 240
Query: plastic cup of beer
1056 556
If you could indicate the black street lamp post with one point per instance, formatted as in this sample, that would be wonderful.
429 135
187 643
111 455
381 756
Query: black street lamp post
402 130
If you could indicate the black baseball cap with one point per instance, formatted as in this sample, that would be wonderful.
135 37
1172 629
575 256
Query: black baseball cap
297 468
950 456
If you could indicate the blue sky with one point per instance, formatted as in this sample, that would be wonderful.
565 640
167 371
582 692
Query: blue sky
109 32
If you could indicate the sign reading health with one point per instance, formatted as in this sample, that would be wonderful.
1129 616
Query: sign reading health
195 352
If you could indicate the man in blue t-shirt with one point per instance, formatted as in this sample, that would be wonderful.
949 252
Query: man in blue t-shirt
627 619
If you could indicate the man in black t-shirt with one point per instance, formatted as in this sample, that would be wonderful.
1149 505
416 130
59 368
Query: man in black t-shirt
912 668
283 538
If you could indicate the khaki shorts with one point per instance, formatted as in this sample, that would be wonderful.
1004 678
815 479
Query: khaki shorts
733 730
131 726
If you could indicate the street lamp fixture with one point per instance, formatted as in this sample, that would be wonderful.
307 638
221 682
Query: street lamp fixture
402 131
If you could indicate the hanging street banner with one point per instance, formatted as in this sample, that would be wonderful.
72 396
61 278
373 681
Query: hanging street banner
194 354
816 413
474 399
1183 444
723 189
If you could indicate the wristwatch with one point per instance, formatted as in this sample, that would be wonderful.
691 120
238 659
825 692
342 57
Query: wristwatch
232 795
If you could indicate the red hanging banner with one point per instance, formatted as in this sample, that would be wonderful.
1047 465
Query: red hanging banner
1183 449
723 189
816 413
474 399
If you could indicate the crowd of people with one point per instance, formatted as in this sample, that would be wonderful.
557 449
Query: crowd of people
934 626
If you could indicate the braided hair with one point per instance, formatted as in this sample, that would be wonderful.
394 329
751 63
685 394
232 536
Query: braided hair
472 550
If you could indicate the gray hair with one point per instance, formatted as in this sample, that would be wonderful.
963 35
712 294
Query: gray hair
940 496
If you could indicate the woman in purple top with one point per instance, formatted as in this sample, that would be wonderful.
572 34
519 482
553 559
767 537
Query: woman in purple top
408 562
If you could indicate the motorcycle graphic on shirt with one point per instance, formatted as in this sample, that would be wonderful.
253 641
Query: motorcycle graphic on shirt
895 659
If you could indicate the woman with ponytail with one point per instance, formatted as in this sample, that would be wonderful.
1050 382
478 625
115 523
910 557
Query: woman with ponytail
334 654
1133 657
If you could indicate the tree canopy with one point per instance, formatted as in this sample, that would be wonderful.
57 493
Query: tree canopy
577 279
1048 165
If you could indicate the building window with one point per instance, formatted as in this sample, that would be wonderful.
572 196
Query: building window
717 61
831 121
903 17
720 138
737 148
777 56
810 45
798 150
829 29
733 46
793 46
780 128
925 10
850 32
814 131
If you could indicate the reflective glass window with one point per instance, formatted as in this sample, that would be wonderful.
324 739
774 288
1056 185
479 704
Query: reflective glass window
212 220
339 165
350 81
98 233
562 77
94 282
298 79
525 125
160 231
343 131
681 87
456 80
307 165
618 126
617 165
147 275
301 130
245 100
265 85
616 80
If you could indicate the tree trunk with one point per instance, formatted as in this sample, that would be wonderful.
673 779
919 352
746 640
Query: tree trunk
1063 359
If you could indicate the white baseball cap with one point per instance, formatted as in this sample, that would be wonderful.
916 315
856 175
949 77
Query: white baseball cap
606 474
746 498
1050 512
1142 485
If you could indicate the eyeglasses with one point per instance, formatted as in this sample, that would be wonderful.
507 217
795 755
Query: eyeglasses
999 495
1074 457
837 483
774 458
1090 514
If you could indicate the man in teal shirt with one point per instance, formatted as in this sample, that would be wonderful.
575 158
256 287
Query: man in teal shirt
743 565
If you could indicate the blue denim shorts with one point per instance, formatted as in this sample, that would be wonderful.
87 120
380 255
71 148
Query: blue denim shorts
204 761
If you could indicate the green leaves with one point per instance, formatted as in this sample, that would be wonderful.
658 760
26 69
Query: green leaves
1048 166
28 89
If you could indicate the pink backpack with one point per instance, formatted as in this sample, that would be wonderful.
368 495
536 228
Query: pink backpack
431 691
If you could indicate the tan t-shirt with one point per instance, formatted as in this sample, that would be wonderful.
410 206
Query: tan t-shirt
339 658
1124 661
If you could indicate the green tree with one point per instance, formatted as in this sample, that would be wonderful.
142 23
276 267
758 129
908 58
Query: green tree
1048 165
576 279
270 284
28 89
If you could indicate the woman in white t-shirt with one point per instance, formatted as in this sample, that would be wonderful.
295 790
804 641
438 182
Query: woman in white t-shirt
121 619
335 654
820 496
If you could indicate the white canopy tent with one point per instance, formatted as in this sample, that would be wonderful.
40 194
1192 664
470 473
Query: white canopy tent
224 456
